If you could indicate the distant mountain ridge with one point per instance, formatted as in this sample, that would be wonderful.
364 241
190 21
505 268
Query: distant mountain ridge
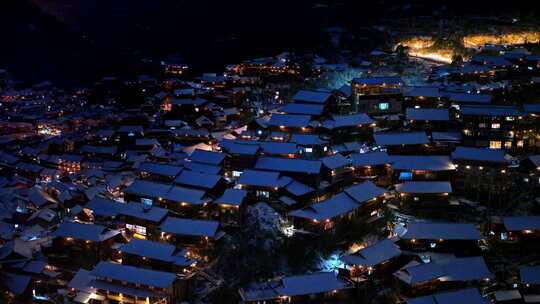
66 11
77 40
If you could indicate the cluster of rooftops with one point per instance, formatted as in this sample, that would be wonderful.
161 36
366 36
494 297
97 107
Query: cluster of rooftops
151 199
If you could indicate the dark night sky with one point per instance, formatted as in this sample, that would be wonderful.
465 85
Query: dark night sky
86 38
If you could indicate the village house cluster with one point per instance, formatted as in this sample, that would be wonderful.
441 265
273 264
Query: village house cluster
107 204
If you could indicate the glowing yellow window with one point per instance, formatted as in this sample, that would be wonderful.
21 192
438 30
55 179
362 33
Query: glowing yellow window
495 144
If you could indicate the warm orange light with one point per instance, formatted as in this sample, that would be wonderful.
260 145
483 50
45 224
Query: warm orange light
508 39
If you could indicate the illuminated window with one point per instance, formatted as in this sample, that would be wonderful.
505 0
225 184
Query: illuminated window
508 145
137 229
510 118
520 144
425 258
147 202
495 125
236 173
405 176
262 193
383 106
309 150
328 225
482 125
495 145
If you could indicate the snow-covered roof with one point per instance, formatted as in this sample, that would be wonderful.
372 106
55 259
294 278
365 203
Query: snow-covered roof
421 162
312 283
373 255
517 223
288 165
424 187
369 159
134 275
427 114
445 231
289 120
401 138
317 97
189 227
479 154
